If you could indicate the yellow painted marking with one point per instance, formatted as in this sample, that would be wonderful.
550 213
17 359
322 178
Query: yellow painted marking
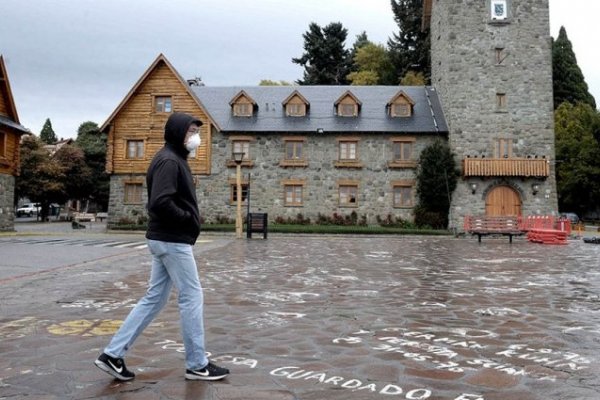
84 327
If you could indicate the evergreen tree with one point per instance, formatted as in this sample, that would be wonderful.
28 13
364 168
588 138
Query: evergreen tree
577 157
409 48
47 133
325 59
361 40
437 176
568 81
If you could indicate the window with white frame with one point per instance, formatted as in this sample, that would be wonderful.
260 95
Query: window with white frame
293 150
163 104
348 195
293 195
402 150
135 149
347 150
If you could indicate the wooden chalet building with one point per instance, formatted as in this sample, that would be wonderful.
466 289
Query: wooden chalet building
10 136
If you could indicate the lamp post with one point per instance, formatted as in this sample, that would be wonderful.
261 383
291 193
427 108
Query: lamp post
238 157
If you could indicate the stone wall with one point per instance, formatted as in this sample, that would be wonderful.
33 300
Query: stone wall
118 211
7 201
468 77
321 178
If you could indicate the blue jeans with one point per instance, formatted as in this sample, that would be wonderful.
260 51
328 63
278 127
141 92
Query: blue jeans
172 263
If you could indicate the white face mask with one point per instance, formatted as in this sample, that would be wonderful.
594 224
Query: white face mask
193 142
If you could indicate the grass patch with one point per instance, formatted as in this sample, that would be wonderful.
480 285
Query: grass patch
311 229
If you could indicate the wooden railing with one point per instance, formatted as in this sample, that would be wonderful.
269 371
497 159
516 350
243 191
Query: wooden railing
525 167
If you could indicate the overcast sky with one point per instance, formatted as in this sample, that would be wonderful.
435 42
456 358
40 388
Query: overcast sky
75 60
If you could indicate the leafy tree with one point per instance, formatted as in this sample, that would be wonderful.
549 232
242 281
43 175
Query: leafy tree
47 178
437 176
93 144
577 157
409 48
373 66
367 78
47 133
41 178
325 60
77 174
413 78
568 81
268 82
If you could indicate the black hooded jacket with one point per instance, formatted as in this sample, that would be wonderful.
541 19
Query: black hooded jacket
172 204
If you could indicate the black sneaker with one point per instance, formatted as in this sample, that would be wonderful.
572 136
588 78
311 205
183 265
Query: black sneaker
115 367
211 372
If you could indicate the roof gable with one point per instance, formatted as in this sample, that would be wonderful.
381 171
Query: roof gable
295 94
400 95
347 93
242 95
9 116
6 93
160 60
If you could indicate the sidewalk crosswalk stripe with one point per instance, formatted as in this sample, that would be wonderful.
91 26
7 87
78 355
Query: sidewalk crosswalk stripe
138 245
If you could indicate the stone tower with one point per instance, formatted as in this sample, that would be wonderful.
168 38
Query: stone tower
492 66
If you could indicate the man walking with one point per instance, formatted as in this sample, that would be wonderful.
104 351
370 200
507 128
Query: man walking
173 228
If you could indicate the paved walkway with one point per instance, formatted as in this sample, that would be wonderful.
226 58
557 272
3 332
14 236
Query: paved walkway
323 318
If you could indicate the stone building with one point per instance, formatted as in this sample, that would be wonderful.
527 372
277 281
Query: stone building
492 66
10 136
324 150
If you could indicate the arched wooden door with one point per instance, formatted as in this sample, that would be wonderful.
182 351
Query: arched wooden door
502 201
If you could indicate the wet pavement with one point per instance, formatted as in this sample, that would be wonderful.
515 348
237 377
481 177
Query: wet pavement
315 317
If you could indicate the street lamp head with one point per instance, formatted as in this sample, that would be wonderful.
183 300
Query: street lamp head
238 156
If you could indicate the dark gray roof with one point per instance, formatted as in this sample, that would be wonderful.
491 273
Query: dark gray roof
12 124
427 113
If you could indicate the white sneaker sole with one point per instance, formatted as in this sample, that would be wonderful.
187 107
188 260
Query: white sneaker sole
110 371
194 377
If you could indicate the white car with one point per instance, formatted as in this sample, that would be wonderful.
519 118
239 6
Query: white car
29 209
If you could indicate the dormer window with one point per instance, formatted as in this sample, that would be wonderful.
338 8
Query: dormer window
400 106
242 105
347 105
242 110
295 105
499 10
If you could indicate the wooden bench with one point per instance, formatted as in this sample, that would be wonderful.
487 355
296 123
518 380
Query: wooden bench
487 225
256 223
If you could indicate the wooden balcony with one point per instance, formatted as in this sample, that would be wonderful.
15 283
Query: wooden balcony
517 167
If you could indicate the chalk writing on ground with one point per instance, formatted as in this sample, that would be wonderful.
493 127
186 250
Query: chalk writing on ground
439 351
356 385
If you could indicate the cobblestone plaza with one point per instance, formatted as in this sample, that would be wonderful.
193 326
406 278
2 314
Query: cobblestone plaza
311 317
